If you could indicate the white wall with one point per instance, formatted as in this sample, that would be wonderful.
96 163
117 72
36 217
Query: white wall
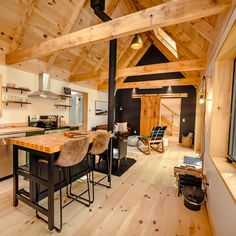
221 205
14 113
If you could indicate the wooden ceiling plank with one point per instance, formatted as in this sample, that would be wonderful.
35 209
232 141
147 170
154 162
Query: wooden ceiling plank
179 35
205 29
66 29
130 59
25 18
165 51
80 59
159 68
125 45
159 83
163 15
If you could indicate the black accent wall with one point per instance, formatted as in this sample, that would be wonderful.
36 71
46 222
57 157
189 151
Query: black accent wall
128 108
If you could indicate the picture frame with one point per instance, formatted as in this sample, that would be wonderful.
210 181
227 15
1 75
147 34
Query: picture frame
101 108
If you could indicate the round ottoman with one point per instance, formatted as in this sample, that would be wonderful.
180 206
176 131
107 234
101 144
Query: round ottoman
132 140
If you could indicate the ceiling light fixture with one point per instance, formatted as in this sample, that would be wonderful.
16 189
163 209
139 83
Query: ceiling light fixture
137 42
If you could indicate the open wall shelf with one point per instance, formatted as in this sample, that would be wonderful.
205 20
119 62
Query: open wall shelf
16 88
61 105
21 103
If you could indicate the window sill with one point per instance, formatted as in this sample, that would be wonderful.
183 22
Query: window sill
228 173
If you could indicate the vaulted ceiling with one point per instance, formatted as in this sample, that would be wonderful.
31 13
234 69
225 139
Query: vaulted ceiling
26 23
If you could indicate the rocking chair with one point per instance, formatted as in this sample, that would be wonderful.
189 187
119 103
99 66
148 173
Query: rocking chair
154 141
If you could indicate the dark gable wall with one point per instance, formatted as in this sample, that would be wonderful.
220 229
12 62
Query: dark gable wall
131 106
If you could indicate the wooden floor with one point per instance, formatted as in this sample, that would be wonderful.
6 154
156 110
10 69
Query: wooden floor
143 201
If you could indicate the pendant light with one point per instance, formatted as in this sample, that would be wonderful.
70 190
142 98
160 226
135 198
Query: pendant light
137 42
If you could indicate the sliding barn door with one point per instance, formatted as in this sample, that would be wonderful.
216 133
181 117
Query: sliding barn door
149 114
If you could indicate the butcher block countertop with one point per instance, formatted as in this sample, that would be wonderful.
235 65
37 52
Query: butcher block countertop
15 130
49 143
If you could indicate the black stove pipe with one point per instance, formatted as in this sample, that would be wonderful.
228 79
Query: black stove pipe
99 12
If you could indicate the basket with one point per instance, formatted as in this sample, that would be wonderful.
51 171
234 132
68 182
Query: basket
187 141
194 197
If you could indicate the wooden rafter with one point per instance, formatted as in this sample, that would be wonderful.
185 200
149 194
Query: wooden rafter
129 60
87 49
205 29
20 30
159 83
182 38
126 45
66 29
159 16
160 68
165 51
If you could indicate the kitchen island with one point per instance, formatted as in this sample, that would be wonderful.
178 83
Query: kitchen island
48 147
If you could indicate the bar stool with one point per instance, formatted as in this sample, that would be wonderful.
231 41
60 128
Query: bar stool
100 147
73 153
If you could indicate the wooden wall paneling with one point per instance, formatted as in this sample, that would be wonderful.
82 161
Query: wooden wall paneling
199 125
85 111
149 114
222 88
0 95
124 25
228 51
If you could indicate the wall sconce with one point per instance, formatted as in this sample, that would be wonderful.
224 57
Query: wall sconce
121 108
202 99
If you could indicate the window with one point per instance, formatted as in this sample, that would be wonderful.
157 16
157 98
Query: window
232 132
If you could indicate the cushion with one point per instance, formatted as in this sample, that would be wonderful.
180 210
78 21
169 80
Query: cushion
122 127
116 128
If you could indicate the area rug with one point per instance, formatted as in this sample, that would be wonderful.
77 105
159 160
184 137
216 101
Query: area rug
123 167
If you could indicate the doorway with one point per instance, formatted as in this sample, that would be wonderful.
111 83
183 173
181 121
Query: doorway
170 116
79 109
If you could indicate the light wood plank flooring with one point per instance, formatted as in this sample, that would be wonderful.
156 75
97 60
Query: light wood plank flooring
143 201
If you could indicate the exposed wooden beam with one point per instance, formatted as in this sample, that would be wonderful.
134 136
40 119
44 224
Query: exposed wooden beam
228 51
165 51
160 68
130 58
163 15
125 45
80 59
205 29
19 32
66 29
185 41
159 83
134 61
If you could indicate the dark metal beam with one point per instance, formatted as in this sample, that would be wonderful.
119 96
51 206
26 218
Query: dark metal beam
98 7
